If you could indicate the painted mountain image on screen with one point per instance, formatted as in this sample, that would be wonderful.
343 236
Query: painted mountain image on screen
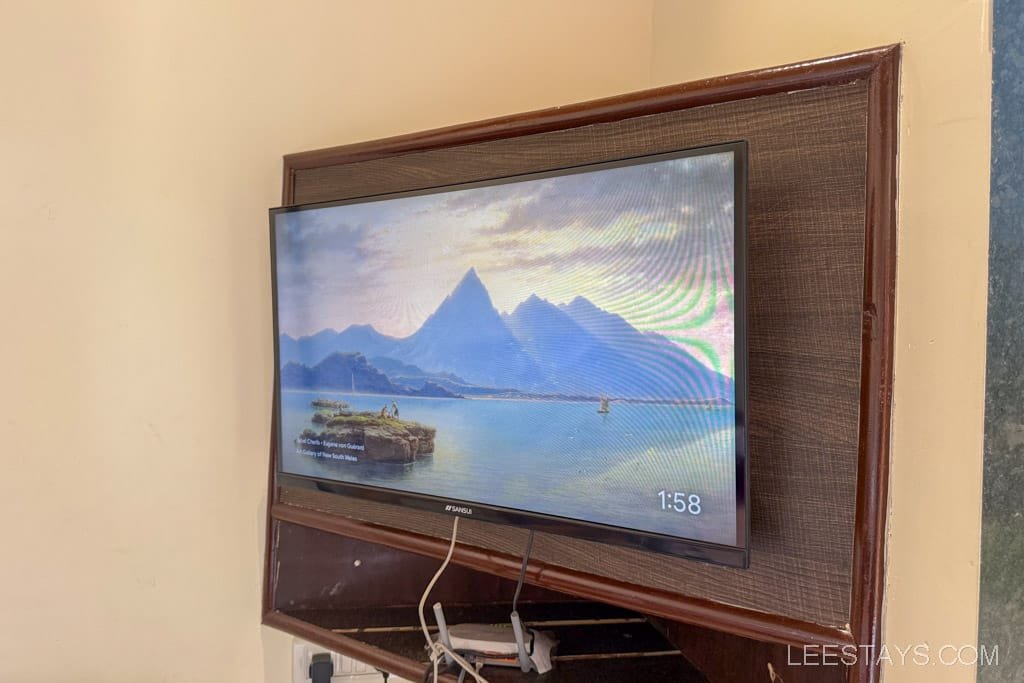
562 345
540 349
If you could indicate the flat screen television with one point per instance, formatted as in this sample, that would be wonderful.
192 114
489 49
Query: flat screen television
563 350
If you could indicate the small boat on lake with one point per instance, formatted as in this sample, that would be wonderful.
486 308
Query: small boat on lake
604 407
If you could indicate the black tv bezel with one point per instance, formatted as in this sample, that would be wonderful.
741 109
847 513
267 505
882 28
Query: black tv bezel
728 555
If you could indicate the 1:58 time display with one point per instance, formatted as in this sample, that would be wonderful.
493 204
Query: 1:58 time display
677 501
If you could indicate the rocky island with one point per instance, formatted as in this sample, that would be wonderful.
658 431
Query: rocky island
363 436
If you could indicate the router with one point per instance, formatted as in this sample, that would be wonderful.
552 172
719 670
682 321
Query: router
497 644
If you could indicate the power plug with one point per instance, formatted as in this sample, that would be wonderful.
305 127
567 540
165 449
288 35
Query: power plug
346 669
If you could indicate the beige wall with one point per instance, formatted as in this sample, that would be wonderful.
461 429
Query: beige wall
141 145
935 495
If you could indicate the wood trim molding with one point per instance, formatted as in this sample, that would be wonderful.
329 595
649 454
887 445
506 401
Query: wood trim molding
879 67
876 362
269 582
848 68
374 656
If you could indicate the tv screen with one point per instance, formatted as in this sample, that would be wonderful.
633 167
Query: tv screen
560 350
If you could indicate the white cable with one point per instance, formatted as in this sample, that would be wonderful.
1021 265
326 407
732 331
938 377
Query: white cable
436 647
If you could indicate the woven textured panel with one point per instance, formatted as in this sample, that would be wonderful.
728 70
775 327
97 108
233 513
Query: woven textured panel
805 275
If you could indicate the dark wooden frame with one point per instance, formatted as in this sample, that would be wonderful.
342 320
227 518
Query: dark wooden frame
879 68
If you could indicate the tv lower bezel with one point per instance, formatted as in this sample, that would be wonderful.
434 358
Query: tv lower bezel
715 553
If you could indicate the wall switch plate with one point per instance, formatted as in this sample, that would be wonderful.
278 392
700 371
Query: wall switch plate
346 669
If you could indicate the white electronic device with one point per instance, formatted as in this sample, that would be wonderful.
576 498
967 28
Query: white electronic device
498 644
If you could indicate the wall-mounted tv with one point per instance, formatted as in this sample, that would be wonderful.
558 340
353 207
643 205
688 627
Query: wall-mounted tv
563 350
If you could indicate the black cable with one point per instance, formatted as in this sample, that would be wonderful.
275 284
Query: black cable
522 569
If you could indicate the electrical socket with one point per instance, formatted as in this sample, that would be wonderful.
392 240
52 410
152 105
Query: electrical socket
346 669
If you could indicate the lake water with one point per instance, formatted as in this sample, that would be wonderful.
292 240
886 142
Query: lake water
555 457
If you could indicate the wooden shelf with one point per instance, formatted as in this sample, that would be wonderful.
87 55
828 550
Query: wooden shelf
595 641
360 599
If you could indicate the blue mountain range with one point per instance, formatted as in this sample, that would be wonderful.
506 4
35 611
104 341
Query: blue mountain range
574 349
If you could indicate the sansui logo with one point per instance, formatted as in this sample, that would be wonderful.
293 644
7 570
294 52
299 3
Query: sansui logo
459 509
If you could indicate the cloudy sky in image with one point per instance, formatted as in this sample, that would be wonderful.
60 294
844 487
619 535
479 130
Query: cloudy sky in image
651 242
